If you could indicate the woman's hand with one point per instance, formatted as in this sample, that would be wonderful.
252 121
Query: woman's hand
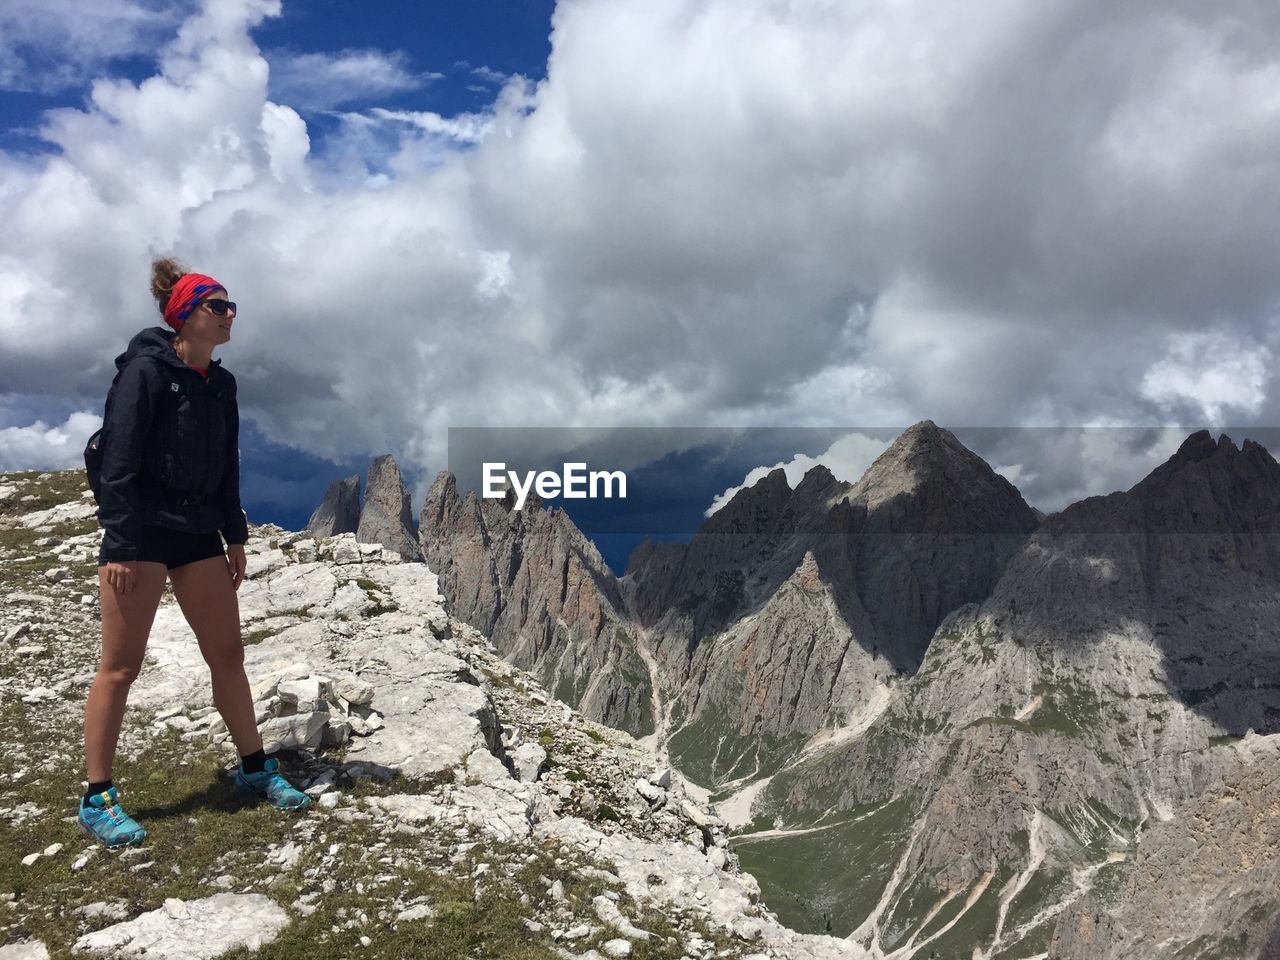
123 577
235 563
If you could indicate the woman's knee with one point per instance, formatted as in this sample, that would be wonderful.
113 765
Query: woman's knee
118 674
225 657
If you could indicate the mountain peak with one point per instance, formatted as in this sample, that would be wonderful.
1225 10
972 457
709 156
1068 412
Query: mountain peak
777 477
817 476
922 453
756 505
1197 446
922 428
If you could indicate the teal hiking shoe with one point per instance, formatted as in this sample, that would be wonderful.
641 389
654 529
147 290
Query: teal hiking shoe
270 785
101 815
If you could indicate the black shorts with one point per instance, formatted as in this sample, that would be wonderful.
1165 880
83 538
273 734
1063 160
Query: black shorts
175 548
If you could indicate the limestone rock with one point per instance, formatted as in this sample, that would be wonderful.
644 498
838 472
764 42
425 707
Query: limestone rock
386 517
339 511
1197 878
25 950
529 760
192 930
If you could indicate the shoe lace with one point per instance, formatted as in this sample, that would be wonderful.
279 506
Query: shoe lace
111 808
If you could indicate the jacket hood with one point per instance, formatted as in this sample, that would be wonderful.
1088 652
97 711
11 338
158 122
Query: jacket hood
156 342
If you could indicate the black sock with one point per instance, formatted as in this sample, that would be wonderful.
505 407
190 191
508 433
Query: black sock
254 762
96 788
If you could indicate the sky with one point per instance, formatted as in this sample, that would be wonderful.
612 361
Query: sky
613 214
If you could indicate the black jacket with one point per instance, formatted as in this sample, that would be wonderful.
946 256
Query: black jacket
170 443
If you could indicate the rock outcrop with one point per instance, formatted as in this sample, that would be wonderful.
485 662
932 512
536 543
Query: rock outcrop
1207 877
339 512
387 515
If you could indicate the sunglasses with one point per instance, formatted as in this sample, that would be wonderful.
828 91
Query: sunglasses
220 307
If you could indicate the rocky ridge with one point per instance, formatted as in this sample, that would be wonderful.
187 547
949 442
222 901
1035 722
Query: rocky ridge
530 581
456 800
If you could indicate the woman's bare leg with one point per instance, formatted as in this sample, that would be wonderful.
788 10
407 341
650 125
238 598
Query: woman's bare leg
208 601
126 624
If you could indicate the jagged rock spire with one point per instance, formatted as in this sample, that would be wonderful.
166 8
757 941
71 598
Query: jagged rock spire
386 517
339 512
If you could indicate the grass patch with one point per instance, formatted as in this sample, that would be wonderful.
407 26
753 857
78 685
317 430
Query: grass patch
257 636
835 874
498 679
710 750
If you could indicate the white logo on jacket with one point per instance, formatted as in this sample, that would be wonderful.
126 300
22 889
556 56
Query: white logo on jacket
173 387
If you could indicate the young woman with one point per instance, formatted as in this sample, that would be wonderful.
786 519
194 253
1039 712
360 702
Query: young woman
170 483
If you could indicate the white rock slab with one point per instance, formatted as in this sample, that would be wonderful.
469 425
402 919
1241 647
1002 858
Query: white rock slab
261 565
62 513
27 950
193 930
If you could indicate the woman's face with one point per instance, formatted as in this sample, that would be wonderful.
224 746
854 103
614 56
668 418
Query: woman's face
205 325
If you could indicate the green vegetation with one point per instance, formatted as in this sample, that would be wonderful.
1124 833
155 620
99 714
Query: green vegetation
1109 881
606 812
1047 885
498 679
710 751
1066 707
838 872
257 636
1194 698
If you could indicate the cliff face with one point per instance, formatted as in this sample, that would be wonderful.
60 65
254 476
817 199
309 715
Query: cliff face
756 670
339 512
541 591
1203 883
760 689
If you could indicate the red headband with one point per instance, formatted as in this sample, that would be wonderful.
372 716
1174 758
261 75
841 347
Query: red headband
184 296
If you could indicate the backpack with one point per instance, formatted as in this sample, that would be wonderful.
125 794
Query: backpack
93 462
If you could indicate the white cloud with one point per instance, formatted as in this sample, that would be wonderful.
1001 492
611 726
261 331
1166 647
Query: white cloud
1215 371
40 446
722 213
465 128
489 75
322 81
50 45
